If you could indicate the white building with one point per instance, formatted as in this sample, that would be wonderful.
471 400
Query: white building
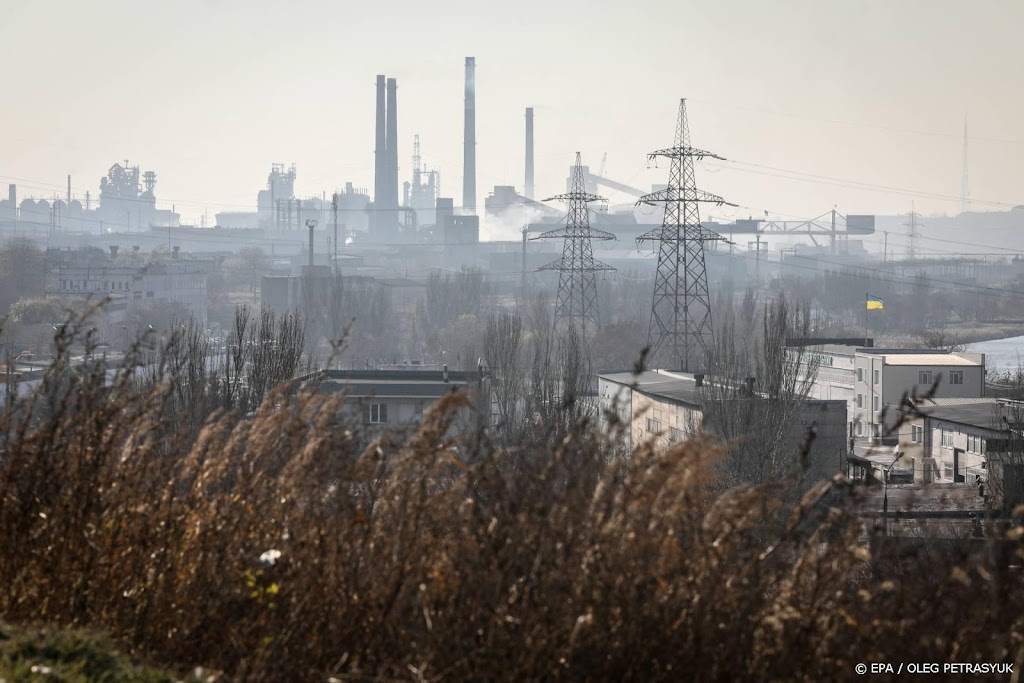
949 441
132 288
884 376
664 407
870 379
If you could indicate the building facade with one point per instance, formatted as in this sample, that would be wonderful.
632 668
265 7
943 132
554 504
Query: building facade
134 288
874 380
386 399
884 376
663 408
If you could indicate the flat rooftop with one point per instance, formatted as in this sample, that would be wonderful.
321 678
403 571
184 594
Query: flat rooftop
928 359
675 386
394 383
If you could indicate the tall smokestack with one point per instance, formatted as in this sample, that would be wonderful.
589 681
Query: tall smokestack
311 225
379 159
529 153
12 197
469 140
391 218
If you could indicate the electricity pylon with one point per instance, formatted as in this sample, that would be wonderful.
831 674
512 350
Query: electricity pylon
913 233
680 333
577 282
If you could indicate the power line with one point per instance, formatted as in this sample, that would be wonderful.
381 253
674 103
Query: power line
858 124
887 276
852 184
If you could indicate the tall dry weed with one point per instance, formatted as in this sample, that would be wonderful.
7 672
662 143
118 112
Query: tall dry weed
275 545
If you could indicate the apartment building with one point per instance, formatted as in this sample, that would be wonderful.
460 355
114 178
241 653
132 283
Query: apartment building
665 407
131 288
379 399
869 379
884 376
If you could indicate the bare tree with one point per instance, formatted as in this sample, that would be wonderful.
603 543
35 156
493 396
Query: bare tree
757 388
503 340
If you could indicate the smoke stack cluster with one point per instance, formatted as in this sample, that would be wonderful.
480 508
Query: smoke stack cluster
385 172
528 191
469 140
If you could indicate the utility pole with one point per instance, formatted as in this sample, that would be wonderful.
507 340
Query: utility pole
522 284
334 209
965 187
833 236
680 329
577 282
311 224
757 261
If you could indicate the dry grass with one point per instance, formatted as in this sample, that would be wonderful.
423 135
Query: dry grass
435 559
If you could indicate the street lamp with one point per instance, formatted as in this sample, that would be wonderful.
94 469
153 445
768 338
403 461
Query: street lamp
885 491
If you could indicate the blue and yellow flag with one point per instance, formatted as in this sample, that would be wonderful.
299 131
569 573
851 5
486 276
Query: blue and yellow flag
875 303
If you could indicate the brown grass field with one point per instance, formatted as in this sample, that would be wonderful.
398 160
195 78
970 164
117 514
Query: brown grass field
435 557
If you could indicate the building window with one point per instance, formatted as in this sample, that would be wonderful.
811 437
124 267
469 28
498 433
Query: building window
947 438
653 426
875 429
860 374
860 428
378 413
916 434
875 401
860 400
956 377
878 376
924 377
675 434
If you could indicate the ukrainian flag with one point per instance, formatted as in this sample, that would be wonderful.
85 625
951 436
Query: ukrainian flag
875 303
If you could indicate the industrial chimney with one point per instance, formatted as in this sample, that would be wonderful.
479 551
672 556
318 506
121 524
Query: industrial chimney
379 159
469 140
12 198
529 153
391 143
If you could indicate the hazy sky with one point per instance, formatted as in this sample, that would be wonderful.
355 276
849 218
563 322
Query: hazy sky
209 93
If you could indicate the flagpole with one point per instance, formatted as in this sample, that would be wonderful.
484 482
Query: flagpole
867 298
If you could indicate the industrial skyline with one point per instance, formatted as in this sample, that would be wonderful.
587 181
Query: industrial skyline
304 82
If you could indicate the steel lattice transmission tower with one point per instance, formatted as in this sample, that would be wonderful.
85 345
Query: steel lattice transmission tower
680 333
913 234
577 282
